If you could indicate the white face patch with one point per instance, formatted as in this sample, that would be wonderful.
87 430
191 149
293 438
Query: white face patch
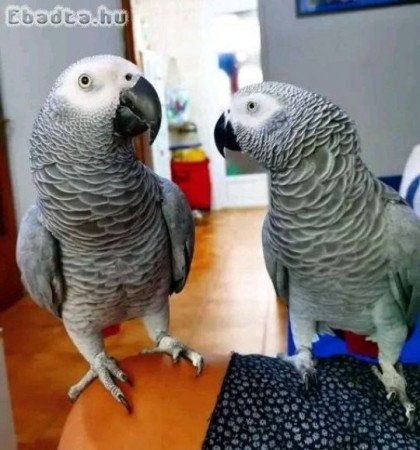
96 83
253 110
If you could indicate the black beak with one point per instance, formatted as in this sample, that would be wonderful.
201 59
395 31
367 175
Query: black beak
139 110
225 136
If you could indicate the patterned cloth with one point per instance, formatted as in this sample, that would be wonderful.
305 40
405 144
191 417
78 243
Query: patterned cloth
263 405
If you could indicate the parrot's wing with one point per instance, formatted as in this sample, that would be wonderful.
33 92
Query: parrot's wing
403 236
180 223
278 273
38 257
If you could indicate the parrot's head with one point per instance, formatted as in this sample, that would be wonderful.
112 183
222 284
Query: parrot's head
264 120
100 98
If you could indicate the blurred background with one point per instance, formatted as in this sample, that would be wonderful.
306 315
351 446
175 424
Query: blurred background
197 53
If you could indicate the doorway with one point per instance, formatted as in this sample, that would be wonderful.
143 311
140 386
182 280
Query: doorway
10 285
181 35
236 39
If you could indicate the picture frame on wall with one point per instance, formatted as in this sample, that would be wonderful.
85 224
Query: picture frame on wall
311 7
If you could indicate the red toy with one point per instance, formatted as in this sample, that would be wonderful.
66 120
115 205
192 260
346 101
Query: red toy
194 180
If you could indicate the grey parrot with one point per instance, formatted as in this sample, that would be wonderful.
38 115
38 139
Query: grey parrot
107 240
341 248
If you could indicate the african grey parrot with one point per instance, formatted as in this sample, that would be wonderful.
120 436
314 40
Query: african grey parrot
107 240
341 248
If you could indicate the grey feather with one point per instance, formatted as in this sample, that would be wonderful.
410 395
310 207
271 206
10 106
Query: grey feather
104 209
179 221
276 271
403 236
38 257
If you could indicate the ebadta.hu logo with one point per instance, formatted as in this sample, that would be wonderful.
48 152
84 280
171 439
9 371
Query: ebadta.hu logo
24 16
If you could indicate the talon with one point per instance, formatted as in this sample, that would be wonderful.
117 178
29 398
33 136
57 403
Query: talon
75 390
391 396
176 355
199 367
73 394
127 379
306 381
409 413
392 377
124 402
303 363
310 380
177 350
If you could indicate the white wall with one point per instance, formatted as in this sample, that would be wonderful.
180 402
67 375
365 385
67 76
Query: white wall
366 61
30 60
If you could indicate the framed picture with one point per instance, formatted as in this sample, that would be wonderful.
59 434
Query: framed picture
310 7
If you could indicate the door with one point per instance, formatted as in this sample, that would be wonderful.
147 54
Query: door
10 286
235 34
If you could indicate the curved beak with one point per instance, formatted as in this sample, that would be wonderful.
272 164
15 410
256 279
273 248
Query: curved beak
139 110
225 137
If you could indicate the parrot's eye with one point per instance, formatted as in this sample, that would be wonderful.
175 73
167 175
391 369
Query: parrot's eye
129 77
251 106
85 81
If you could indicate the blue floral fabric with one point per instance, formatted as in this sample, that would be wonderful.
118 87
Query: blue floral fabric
263 405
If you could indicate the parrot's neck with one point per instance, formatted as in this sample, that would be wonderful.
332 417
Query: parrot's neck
98 202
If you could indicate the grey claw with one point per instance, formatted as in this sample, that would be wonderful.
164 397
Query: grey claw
410 420
124 402
127 379
199 368
310 380
392 396
178 354
72 398
409 413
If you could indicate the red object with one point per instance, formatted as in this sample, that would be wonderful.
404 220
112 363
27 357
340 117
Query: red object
111 330
194 180
358 344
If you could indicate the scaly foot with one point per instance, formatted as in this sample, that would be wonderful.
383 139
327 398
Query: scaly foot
303 362
176 349
104 368
395 385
